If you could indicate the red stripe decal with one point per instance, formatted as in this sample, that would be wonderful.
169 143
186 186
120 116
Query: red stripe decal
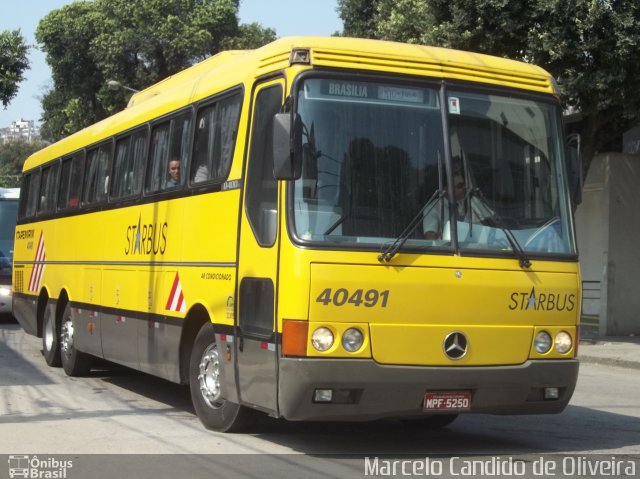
173 292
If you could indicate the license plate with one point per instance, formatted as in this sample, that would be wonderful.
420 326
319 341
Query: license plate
447 401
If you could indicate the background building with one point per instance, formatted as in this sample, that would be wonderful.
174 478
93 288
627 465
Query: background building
608 228
19 130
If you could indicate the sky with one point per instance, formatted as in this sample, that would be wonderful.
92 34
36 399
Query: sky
286 17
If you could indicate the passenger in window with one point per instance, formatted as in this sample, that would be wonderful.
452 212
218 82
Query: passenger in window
202 174
174 173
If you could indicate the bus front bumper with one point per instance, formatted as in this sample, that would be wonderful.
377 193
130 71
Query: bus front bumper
366 390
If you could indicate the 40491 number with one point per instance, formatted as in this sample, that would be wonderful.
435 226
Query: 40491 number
360 297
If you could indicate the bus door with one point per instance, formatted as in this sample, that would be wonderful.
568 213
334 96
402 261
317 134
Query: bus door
256 351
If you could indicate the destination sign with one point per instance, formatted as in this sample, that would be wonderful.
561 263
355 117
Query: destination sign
369 92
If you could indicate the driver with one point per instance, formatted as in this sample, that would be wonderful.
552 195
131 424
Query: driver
433 222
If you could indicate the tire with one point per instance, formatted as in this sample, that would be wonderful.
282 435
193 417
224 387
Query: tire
213 410
51 340
74 362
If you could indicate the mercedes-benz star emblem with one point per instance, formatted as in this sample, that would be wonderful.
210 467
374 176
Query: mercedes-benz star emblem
455 345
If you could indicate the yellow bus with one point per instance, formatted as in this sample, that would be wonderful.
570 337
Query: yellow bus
275 228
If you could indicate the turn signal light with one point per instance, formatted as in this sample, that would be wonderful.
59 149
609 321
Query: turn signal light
294 337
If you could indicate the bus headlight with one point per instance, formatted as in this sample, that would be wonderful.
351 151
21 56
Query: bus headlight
322 339
542 342
352 340
563 342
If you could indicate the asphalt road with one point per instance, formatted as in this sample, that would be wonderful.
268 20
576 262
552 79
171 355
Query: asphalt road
118 411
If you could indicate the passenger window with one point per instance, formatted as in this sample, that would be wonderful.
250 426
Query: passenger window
32 195
24 195
216 128
262 193
97 175
129 165
158 155
120 168
169 153
65 176
75 185
48 189
137 151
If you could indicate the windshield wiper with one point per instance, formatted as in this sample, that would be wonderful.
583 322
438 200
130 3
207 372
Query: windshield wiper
388 254
496 220
341 220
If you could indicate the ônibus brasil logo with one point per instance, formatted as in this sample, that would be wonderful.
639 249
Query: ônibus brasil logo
34 467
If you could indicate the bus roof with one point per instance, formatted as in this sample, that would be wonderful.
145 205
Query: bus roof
9 193
231 68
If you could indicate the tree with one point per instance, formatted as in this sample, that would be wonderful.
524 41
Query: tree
590 46
358 17
12 156
136 42
13 63
251 35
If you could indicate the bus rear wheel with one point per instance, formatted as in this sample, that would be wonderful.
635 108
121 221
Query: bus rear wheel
74 362
51 341
214 411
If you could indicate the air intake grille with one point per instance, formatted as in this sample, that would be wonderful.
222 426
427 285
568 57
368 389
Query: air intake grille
472 71
18 281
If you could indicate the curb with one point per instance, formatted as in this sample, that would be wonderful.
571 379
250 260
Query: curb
620 363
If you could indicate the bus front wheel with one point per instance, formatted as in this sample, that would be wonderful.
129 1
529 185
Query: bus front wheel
74 362
213 410
50 340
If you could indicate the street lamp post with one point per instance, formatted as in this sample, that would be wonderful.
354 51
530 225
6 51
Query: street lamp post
116 85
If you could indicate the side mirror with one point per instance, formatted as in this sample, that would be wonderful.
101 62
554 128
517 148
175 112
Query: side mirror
574 174
287 157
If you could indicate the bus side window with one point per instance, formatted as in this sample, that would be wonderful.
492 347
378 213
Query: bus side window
120 169
262 193
97 174
216 128
158 155
180 144
170 143
65 176
32 194
75 185
129 165
203 150
48 187
24 195
136 161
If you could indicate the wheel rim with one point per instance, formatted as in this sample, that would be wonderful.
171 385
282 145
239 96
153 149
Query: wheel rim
209 377
49 334
66 337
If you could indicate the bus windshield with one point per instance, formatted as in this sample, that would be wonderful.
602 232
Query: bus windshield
8 213
374 162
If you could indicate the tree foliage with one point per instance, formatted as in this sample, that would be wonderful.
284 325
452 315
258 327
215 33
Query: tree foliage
12 156
590 46
136 42
358 17
13 63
